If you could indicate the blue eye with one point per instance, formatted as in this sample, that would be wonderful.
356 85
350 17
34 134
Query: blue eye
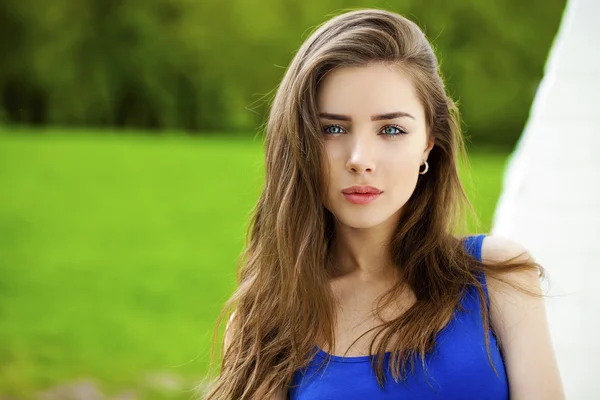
333 129
392 130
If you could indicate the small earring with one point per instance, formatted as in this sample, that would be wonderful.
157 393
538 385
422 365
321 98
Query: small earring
425 170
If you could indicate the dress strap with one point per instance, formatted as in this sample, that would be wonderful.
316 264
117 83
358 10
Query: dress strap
473 246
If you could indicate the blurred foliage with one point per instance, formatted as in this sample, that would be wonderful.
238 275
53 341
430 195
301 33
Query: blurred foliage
207 65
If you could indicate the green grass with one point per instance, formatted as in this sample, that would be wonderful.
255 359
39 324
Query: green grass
118 251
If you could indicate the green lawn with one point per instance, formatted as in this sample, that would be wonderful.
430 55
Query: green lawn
117 252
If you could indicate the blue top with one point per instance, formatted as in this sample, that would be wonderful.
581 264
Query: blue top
457 368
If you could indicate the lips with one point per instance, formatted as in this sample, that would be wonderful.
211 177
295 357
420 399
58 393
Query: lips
361 190
361 194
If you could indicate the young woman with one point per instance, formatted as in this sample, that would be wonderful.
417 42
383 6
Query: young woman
354 283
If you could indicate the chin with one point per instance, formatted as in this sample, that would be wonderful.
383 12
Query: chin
360 220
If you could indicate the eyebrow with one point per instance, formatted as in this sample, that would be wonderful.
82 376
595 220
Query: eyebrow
380 117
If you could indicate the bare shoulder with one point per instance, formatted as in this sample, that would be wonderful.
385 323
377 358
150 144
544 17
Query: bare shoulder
514 291
498 249
518 318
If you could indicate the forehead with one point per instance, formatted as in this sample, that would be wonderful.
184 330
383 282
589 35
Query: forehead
368 90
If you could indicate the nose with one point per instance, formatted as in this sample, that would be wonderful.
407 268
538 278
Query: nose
360 158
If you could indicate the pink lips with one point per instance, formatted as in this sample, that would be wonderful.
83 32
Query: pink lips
361 194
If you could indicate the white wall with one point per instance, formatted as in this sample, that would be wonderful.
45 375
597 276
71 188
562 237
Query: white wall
551 197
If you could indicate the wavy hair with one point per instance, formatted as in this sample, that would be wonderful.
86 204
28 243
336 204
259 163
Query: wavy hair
283 304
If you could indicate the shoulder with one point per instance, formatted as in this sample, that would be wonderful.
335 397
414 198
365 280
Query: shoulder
513 279
518 317
497 251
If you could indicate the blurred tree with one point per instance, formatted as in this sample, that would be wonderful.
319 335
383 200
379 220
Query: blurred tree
207 66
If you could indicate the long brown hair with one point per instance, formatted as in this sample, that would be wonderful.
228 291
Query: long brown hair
283 303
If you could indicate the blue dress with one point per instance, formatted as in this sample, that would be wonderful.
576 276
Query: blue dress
457 368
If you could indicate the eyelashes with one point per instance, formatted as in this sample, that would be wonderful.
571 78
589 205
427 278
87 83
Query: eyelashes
398 130
328 129
388 130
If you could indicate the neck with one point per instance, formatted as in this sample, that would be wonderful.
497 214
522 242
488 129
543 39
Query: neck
363 253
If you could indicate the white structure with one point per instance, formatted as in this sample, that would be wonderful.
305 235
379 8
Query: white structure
551 198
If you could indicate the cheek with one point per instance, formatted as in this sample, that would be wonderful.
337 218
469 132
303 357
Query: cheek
332 161
404 159
333 152
402 172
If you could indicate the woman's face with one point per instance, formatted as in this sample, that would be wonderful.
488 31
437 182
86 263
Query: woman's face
375 135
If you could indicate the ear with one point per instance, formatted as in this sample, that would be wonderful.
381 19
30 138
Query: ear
430 144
